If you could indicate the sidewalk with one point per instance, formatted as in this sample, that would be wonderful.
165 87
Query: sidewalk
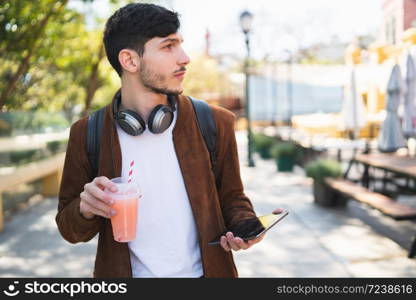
310 242
313 241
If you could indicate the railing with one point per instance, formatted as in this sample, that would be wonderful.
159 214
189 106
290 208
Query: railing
49 170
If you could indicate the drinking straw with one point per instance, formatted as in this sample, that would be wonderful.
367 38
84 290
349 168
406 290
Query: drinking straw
131 171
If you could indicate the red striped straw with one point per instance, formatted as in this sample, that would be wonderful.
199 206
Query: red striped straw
131 171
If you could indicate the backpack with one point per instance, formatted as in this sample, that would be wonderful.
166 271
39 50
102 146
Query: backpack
205 120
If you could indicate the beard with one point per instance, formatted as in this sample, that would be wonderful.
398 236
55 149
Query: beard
155 82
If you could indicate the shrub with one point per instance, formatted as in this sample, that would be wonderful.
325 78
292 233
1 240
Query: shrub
285 154
56 146
263 145
5 128
322 168
27 122
53 146
284 149
21 156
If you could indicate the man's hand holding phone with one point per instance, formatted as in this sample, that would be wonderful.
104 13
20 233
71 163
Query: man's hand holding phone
229 242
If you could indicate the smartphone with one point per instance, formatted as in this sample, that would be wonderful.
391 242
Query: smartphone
266 222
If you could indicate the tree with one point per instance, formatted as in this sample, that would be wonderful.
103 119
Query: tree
21 34
205 79
50 59
64 69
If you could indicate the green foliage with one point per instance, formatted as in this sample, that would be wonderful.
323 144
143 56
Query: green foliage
19 157
20 24
53 146
56 146
25 28
61 59
284 149
263 145
62 52
5 128
22 156
15 123
322 168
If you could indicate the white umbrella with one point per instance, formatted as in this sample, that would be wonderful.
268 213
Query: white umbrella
391 135
353 111
409 115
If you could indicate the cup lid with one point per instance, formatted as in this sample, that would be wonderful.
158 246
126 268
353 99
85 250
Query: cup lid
124 188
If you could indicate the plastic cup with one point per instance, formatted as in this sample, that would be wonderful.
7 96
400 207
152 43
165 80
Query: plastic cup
126 201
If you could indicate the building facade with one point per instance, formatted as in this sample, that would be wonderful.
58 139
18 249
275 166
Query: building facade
399 15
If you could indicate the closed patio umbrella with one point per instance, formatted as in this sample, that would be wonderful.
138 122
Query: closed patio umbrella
391 135
409 115
353 111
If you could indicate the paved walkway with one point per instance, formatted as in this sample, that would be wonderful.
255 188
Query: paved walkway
310 242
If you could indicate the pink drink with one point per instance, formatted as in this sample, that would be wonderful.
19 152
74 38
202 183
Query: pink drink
126 201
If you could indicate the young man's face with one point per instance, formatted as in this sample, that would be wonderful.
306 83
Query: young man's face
162 67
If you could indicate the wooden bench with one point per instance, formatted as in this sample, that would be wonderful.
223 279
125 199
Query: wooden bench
384 204
49 170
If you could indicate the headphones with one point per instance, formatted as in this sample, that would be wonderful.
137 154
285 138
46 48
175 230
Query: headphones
132 123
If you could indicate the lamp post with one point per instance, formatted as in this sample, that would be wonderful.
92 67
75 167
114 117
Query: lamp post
289 92
246 19
274 93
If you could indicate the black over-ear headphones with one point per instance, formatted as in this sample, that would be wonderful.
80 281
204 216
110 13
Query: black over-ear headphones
131 122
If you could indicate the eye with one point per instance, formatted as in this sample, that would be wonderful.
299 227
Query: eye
169 46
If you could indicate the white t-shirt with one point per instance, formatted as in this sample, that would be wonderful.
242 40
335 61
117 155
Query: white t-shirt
166 243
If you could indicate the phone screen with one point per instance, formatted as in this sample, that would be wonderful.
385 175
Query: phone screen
253 228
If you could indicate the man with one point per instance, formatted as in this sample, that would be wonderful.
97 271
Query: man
182 210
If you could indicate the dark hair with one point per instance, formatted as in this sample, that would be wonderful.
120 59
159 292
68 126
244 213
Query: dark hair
131 26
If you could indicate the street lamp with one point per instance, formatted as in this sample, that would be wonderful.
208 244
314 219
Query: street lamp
289 91
246 19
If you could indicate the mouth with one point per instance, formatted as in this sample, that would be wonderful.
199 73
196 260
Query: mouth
180 74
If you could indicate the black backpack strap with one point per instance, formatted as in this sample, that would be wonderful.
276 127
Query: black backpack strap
95 125
206 123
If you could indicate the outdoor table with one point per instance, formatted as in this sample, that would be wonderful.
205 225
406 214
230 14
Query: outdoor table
404 166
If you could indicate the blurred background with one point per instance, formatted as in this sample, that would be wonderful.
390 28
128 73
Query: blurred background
321 89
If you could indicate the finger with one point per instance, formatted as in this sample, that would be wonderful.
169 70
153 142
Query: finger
97 193
255 241
278 211
106 210
97 207
231 242
93 210
103 182
224 244
234 245
241 243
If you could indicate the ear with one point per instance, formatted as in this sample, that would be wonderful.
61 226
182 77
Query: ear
129 60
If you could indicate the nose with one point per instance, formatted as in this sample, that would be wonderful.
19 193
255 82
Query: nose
183 58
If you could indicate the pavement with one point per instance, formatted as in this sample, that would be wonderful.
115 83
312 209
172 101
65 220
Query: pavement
311 241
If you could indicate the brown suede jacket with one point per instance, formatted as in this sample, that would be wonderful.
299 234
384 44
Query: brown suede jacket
213 211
